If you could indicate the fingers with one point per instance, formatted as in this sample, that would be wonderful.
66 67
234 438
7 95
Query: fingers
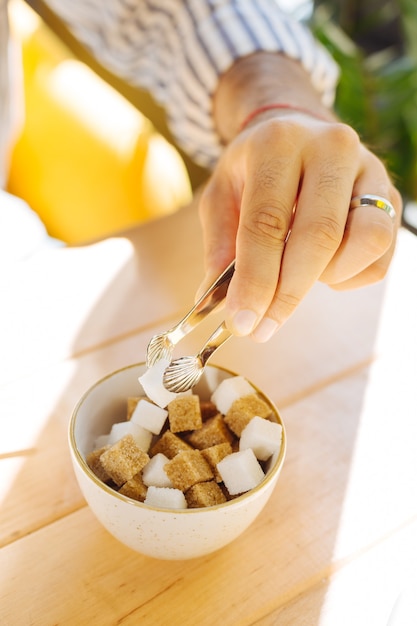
361 257
318 225
368 244
266 212
274 279
279 203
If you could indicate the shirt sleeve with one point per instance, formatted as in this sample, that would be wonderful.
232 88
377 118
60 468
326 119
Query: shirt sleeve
178 50
220 32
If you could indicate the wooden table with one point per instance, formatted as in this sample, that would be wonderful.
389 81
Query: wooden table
337 543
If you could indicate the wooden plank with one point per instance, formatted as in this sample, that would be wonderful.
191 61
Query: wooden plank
377 586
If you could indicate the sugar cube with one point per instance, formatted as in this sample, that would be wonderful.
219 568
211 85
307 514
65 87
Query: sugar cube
214 454
204 494
141 436
165 498
240 471
243 410
123 460
262 436
131 405
94 463
153 473
184 414
134 488
170 445
187 469
101 441
177 450
230 390
153 385
149 416
213 431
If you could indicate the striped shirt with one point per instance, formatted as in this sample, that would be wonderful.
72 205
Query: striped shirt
178 49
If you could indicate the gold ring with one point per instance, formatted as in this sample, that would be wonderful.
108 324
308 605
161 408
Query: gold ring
371 200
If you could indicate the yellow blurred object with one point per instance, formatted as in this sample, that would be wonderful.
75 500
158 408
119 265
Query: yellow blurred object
86 160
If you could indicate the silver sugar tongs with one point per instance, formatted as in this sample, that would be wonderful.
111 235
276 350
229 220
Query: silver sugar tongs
161 346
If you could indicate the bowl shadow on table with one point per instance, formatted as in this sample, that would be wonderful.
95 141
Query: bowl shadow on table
287 552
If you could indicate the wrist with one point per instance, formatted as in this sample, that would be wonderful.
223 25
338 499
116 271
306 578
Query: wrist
266 111
264 85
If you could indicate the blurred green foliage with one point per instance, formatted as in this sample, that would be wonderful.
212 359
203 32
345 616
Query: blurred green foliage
375 44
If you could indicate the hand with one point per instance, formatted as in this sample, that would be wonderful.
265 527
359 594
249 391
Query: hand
278 201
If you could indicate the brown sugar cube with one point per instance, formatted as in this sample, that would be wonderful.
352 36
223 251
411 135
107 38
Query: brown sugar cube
214 455
184 413
242 410
94 463
123 460
170 445
134 488
208 409
131 406
212 432
188 468
204 494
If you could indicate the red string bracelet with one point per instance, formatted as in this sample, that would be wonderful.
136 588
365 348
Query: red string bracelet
278 105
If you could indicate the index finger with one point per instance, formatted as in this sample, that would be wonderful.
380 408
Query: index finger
266 211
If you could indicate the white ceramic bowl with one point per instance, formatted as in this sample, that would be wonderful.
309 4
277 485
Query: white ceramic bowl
157 532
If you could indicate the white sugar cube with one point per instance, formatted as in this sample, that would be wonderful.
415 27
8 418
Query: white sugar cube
153 385
229 390
240 471
165 498
141 436
262 436
149 416
101 441
153 473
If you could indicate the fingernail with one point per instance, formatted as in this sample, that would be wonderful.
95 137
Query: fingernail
244 322
265 329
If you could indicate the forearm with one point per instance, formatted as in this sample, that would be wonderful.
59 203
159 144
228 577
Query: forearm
263 79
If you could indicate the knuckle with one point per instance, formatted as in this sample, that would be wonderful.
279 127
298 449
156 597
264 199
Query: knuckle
378 238
277 131
268 225
381 238
268 219
287 302
374 233
344 136
325 233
